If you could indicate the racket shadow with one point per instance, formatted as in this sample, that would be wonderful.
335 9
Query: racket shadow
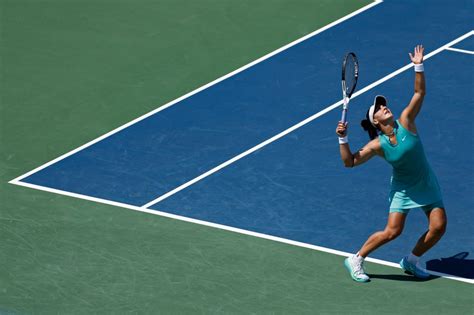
456 265
398 277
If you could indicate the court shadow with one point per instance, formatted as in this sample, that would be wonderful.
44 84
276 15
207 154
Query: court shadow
400 277
456 265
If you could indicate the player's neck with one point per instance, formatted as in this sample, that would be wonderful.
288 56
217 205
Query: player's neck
388 128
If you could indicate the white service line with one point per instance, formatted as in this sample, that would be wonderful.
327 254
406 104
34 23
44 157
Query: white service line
208 85
298 125
230 229
461 50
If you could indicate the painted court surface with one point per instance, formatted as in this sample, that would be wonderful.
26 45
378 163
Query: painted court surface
251 151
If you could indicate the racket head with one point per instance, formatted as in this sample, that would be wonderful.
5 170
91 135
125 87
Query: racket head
350 74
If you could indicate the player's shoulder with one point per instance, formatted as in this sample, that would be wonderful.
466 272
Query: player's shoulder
407 124
375 145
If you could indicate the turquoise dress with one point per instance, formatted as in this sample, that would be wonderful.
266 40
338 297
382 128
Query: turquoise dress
413 182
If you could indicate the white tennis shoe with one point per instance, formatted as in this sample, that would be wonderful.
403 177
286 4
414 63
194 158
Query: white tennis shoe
355 266
413 269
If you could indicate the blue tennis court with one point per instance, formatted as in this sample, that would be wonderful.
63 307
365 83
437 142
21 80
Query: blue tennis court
192 159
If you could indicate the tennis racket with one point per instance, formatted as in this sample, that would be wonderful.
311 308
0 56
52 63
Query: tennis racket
350 74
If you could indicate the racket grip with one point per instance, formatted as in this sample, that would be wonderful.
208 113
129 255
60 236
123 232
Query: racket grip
344 115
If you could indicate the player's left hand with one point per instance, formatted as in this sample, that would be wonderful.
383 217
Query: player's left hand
417 56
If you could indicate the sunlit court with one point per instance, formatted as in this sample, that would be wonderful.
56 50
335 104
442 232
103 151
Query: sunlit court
182 157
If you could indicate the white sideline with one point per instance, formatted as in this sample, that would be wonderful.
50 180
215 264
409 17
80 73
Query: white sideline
461 50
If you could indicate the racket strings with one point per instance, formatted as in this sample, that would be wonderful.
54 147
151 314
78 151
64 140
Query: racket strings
350 75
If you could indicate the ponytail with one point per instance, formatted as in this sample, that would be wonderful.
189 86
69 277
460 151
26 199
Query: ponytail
369 128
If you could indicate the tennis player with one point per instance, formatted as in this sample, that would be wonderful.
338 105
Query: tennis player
413 183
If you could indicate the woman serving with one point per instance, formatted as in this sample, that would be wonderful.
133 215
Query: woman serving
413 182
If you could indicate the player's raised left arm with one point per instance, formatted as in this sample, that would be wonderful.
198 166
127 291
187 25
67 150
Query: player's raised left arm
413 108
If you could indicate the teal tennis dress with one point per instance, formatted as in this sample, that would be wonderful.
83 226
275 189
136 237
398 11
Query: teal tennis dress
413 182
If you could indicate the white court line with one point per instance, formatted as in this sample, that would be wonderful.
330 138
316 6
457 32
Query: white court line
461 50
273 53
298 125
231 229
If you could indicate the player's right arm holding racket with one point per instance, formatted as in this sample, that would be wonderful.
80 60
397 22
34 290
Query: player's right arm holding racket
350 75
350 159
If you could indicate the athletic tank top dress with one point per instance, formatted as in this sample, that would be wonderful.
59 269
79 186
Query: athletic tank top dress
413 182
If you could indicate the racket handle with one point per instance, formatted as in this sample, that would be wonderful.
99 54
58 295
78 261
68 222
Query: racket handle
344 115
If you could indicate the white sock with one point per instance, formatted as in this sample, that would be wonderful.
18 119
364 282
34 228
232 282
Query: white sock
413 259
358 257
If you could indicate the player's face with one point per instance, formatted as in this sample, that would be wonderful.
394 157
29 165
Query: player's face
383 114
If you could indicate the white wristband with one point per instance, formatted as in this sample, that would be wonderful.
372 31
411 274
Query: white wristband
419 67
343 140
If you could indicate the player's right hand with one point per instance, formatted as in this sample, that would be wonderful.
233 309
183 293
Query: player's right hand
341 129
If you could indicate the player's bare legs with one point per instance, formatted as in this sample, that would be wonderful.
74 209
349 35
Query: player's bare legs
395 224
437 226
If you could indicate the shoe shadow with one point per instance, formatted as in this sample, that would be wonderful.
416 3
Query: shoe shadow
456 265
401 277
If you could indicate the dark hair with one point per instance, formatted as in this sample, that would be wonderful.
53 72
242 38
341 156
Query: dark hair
379 100
369 127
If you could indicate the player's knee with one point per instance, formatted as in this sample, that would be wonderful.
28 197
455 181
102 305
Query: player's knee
438 228
438 225
392 233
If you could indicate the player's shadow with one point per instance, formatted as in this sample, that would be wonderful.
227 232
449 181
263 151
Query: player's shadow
456 265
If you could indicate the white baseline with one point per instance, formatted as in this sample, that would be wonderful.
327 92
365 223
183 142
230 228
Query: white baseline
231 229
